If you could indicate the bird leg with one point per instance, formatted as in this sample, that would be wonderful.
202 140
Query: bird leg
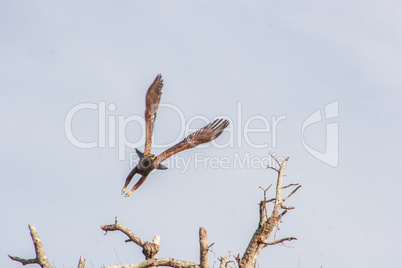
128 180
138 184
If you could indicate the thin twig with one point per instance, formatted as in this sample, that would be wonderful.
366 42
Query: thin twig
292 184
23 261
298 260
286 207
280 241
271 167
277 161
277 229
264 204
282 214
270 200
294 191
117 256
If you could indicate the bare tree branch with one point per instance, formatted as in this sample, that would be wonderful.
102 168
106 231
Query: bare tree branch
280 241
224 260
120 227
149 249
262 213
41 258
282 214
271 167
294 191
263 205
238 259
157 262
278 201
277 161
81 263
286 207
290 185
204 260
39 250
23 261
270 200
277 229
265 191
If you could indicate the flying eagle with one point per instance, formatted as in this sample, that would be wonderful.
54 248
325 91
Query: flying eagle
148 161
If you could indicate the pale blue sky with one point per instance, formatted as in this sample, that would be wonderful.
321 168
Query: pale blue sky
276 59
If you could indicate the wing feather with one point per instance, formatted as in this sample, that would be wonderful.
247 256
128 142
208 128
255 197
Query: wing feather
203 135
152 103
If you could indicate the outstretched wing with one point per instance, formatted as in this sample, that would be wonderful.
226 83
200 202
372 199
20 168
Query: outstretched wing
203 135
152 103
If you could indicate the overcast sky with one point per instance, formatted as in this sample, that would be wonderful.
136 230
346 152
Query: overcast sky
317 81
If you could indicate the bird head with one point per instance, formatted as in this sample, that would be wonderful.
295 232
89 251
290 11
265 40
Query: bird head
146 162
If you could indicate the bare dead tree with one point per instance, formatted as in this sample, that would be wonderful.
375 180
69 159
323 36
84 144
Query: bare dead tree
267 223
260 239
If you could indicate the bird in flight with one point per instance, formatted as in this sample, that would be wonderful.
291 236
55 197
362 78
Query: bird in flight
148 161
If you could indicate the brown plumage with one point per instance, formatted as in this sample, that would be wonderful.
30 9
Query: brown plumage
152 103
148 161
